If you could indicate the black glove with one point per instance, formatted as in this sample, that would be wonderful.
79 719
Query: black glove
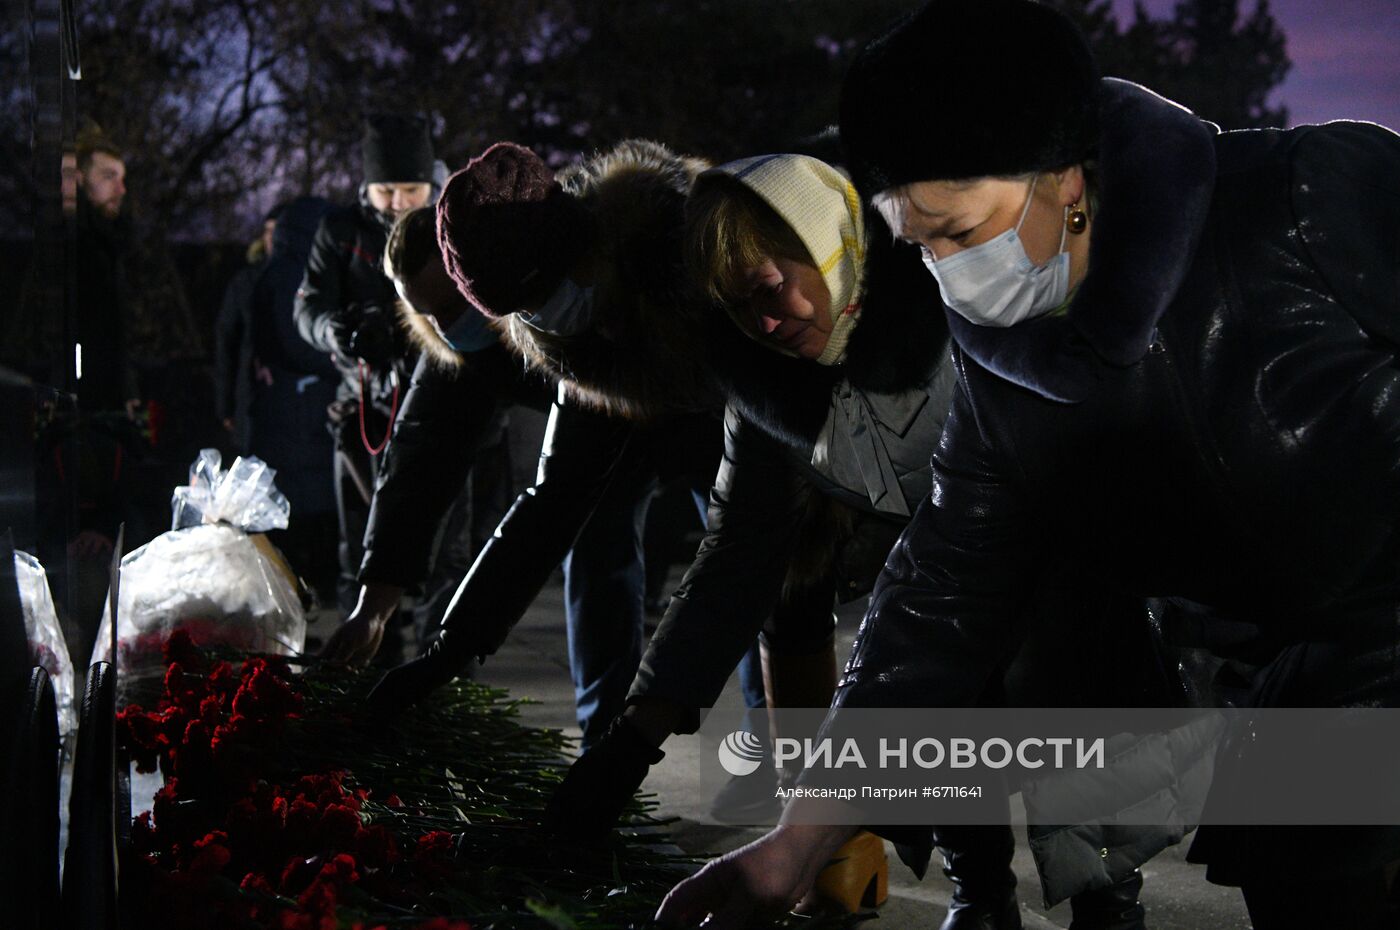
375 338
341 326
409 683
365 331
600 783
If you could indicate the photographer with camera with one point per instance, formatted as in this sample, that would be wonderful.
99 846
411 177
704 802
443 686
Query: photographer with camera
345 307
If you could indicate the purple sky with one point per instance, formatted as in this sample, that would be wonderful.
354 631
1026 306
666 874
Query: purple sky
1344 52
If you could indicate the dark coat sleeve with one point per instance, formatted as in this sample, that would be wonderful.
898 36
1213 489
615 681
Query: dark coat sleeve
583 451
319 299
446 419
945 613
755 511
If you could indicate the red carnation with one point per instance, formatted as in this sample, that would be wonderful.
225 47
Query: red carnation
375 847
435 845
256 823
339 824
257 882
221 678
298 873
432 855
140 733
211 855
180 647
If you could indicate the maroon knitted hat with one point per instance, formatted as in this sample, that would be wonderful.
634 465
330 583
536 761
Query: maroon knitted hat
507 230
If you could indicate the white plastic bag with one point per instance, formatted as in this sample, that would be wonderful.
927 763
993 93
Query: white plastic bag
242 496
47 646
214 575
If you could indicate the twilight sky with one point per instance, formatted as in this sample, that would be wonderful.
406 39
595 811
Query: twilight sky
1346 62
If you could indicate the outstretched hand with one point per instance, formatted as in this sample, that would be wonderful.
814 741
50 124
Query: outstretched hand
356 642
764 879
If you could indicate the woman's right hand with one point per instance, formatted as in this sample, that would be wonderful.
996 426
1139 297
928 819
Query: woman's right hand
358 638
763 879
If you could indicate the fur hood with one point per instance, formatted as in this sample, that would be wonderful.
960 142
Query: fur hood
424 336
899 341
638 359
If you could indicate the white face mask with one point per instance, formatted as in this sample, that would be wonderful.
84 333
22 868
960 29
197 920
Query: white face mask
996 283
567 311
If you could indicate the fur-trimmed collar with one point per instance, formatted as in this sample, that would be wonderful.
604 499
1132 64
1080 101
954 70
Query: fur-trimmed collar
1156 180
895 348
639 358
425 337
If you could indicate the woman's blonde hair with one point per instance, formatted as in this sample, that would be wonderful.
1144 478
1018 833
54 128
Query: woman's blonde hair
412 241
729 229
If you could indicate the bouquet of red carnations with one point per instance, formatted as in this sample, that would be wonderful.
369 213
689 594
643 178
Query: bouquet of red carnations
280 809
284 808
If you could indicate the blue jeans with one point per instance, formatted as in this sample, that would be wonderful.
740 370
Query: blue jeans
604 587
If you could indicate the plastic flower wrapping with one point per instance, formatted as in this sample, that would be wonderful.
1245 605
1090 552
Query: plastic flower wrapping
213 575
47 646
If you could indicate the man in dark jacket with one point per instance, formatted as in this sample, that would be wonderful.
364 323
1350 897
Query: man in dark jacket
345 309
106 378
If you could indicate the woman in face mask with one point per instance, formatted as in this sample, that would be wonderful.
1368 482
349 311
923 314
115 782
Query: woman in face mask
1177 356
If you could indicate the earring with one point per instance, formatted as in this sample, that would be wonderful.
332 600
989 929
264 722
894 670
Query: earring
1076 220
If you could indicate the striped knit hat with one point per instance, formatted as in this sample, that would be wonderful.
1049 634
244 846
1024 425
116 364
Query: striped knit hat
822 207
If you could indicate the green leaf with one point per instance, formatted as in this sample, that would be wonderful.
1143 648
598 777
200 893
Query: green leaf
552 914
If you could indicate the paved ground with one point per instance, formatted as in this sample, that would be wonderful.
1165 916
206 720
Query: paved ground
534 664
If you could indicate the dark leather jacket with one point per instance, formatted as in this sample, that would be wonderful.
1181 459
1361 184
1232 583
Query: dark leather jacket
1214 419
344 274
448 416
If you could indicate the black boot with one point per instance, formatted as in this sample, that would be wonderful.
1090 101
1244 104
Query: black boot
1113 908
977 860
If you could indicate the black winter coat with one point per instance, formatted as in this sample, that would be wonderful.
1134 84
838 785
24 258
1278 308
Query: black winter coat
1214 419
104 310
448 416
635 398
344 274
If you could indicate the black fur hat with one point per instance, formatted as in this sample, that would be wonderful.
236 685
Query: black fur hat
397 150
966 89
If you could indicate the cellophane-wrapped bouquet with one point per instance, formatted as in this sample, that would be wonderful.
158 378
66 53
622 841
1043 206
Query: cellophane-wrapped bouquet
213 575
